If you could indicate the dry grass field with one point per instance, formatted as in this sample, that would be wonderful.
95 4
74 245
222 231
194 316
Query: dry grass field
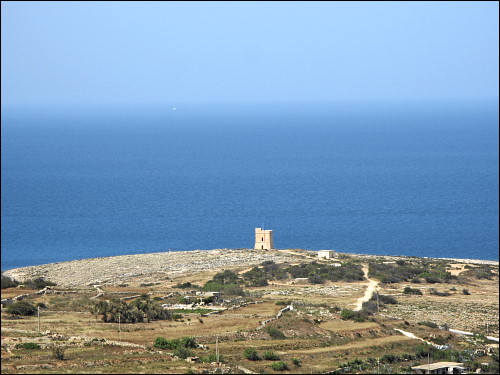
315 338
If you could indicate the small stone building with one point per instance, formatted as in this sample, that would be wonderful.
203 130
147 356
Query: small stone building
326 254
263 239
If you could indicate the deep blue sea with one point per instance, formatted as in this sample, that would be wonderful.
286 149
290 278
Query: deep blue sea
417 179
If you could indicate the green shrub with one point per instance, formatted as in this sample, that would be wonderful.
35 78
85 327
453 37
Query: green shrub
28 345
384 299
275 333
438 293
148 284
279 366
346 314
271 356
357 316
212 357
296 362
432 280
188 342
408 290
233 290
390 273
389 358
439 340
227 289
162 343
186 285
251 354
259 282
7 282
184 342
21 308
480 272
466 292
317 272
316 279
38 283
183 353
372 361
408 357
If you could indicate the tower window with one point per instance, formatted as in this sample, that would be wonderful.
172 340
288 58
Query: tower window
262 238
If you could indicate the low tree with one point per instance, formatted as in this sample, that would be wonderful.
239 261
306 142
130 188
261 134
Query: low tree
316 279
142 309
58 352
7 282
370 307
22 308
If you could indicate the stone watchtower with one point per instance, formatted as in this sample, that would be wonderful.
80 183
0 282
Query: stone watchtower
263 239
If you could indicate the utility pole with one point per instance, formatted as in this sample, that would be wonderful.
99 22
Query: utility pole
217 348
38 313
119 327
378 304
378 365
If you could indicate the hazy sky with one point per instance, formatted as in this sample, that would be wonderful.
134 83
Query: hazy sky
149 52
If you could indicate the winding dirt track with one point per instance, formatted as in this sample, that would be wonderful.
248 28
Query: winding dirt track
371 287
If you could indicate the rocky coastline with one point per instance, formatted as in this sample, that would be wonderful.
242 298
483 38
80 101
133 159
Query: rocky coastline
161 265
122 268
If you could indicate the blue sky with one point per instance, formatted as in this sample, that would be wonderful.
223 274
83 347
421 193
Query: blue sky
100 53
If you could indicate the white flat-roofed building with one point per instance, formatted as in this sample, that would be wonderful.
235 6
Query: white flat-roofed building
440 368
326 254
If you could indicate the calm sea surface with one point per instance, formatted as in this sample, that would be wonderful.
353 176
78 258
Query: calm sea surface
395 178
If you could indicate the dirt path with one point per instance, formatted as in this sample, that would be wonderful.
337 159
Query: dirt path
368 343
411 335
457 271
245 271
372 286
